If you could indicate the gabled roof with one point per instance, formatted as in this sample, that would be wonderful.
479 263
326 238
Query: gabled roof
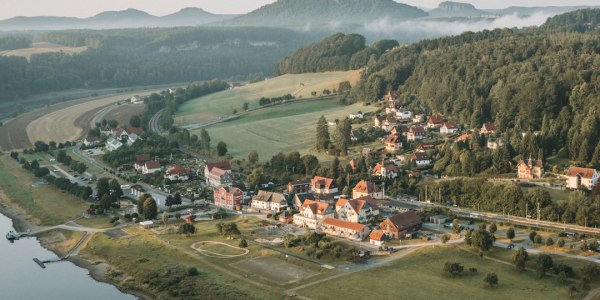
229 189
380 119
114 142
450 125
404 219
420 156
322 182
464 137
531 163
369 200
399 129
223 165
377 235
178 170
366 187
91 139
317 208
391 139
488 127
389 167
304 197
418 130
140 159
435 119
265 196
582 172
152 164
356 204
217 172
343 224
299 182
426 146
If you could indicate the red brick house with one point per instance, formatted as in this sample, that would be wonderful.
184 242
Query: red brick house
401 224
228 197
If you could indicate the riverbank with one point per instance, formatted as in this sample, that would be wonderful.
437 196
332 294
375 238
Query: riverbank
22 221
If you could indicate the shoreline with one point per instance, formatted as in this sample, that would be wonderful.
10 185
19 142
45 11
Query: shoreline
22 221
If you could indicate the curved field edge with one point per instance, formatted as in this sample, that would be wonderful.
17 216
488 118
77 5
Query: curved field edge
223 103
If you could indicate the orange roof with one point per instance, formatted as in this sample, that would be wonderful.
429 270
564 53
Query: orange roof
357 205
392 139
318 208
377 235
322 182
426 146
583 172
153 164
353 164
389 168
450 125
463 137
435 119
223 165
343 224
417 130
488 127
404 219
179 170
366 187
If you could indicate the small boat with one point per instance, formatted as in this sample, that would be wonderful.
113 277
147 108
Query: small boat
11 236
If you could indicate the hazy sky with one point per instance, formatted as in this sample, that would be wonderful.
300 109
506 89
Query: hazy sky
87 8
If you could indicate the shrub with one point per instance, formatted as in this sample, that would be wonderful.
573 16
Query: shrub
561 242
549 241
192 271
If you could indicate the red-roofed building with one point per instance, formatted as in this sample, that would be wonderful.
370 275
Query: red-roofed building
345 229
393 144
356 210
366 188
91 141
464 138
577 177
228 197
323 185
150 167
416 133
530 169
217 174
488 128
388 170
435 120
421 158
176 172
377 238
449 128
401 224
298 187
425 147
312 214
140 160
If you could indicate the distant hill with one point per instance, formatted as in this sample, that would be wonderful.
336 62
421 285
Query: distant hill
528 11
456 9
130 18
332 13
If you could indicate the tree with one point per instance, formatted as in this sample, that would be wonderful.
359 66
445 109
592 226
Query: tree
169 201
135 121
560 242
187 228
253 157
243 243
520 258
322 134
102 187
456 226
245 106
140 203
106 201
115 188
221 148
453 268
468 237
150 209
493 228
113 123
538 239
549 241
532 235
491 279
482 239
177 199
165 218
204 140
543 263
510 233
445 238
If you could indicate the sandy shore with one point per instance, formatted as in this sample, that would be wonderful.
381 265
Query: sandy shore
22 221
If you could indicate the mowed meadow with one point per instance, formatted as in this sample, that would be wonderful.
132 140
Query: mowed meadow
221 104
282 128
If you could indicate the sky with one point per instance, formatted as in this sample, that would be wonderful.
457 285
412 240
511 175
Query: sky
88 8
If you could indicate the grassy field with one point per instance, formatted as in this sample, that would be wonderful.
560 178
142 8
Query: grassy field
222 104
123 113
420 276
282 128
46 203
554 193
42 47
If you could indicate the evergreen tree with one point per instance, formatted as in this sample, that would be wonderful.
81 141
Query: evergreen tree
150 209
102 187
204 140
115 188
322 134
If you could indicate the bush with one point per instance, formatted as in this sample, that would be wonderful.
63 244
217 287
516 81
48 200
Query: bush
537 239
561 242
532 236
549 241
192 271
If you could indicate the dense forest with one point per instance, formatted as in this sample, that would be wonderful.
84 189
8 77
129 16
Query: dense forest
339 52
537 79
14 42
134 57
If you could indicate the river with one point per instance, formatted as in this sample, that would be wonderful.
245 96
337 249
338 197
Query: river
22 278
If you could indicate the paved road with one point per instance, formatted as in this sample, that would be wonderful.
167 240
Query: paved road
153 124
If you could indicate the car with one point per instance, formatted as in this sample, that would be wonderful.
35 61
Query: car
446 225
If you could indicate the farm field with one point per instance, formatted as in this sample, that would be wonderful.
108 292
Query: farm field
283 128
72 122
123 113
420 276
42 47
222 104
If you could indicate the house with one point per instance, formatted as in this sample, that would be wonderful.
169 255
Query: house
218 173
386 170
401 224
298 187
176 172
377 238
449 128
439 219
136 100
353 163
530 169
577 177
136 190
312 214
488 128
140 160
345 229
404 115
286 217
390 96
228 197
378 121
123 133
421 158
132 138
299 199
113 144
418 118
495 143
150 167
464 138
357 116
354 135
393 144
425 147
323 185
271 201
435 120
366 188
399 130
91 141
416 133
389 123
356 210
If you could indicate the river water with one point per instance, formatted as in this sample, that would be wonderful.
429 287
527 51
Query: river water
22 278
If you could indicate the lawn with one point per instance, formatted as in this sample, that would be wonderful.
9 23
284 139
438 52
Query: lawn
44 202
222 104
282 128
555 194
420 276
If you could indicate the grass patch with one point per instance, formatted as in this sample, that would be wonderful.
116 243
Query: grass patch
282 128
420 276
556 195
222 104
46 203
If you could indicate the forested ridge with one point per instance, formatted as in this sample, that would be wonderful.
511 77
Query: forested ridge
538 79
133 57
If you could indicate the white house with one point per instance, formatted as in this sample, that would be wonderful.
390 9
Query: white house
137 100
418 118
218 173
495 143
176 172
345 229
113 144
577 177
91 141
312 214
323 186
388 170
366 188
377 238
404 115
150 167
356 210
271 201
421 158
357 116
416 133
449 128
